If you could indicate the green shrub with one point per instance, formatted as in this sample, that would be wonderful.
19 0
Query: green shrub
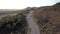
13 23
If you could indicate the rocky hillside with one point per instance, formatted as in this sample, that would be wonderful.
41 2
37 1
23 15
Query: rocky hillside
48 19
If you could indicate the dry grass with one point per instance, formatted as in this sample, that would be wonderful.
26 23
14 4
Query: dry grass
1 16
48 19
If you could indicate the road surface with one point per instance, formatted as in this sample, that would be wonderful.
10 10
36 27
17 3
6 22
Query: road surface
32 24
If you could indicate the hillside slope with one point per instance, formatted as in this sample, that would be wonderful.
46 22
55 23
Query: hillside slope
48 19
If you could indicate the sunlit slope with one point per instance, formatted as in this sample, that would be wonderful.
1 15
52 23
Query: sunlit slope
48 19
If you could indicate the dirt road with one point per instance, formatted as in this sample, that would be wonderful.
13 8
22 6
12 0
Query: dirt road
32 24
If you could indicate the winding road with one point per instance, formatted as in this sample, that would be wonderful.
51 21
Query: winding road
32 24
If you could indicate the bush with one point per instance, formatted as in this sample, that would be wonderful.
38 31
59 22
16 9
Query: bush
14 23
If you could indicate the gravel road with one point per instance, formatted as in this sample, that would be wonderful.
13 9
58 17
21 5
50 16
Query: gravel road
32 24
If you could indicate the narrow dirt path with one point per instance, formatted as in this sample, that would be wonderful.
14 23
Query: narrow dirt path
32 24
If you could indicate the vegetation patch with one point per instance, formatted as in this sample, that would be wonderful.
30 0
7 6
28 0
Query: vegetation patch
13 24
